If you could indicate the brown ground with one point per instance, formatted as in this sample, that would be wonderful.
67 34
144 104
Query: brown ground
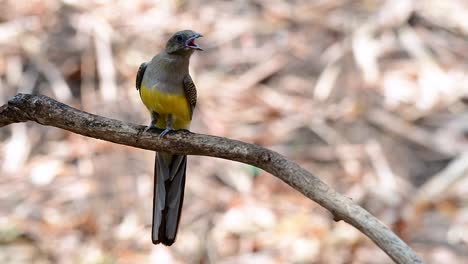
371 96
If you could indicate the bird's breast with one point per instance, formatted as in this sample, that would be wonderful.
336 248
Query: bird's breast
165 103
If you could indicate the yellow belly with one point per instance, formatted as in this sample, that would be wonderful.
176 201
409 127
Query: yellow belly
165 104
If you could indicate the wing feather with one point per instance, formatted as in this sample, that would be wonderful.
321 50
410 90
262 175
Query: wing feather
140 73
190 93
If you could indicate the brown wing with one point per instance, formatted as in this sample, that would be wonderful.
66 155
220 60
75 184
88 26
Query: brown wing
190 92
140 73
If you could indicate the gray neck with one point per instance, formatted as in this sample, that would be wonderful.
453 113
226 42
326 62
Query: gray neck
174 63
166 72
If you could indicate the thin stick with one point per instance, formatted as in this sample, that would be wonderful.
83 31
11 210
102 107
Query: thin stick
46 111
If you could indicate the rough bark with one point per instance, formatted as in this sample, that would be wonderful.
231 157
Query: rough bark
46 111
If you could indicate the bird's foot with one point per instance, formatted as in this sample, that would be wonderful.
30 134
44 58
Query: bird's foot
151 126
165 132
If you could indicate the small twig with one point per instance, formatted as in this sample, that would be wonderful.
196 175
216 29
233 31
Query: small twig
46 111
436 189
440 183
326 82
10 30
57 82
105 61
260 72
406 130
16 150
387 180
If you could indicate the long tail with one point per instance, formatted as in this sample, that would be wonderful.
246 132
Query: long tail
168 196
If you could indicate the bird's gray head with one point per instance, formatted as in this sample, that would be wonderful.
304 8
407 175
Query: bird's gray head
183 43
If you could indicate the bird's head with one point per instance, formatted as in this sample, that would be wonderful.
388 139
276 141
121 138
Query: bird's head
183 42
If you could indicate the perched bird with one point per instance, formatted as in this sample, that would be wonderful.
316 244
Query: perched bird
167 90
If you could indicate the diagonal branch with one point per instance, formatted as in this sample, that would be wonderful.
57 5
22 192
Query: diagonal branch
46 111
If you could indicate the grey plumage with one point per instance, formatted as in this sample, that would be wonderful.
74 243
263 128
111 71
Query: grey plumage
168 73
170 173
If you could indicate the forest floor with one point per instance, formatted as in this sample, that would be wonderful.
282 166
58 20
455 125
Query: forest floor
370 96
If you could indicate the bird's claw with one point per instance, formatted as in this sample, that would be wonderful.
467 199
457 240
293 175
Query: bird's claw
165 132
148 128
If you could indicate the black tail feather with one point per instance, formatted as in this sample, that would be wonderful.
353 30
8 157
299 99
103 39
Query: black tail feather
174 185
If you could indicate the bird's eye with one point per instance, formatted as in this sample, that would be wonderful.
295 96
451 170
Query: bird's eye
179 38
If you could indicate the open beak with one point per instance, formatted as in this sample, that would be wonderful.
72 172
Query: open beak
190 43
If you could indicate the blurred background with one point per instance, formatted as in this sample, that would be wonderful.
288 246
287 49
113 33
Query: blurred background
370 96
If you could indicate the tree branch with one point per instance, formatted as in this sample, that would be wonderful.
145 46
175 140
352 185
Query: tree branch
46 111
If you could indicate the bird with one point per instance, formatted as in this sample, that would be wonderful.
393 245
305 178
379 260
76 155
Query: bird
168 92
